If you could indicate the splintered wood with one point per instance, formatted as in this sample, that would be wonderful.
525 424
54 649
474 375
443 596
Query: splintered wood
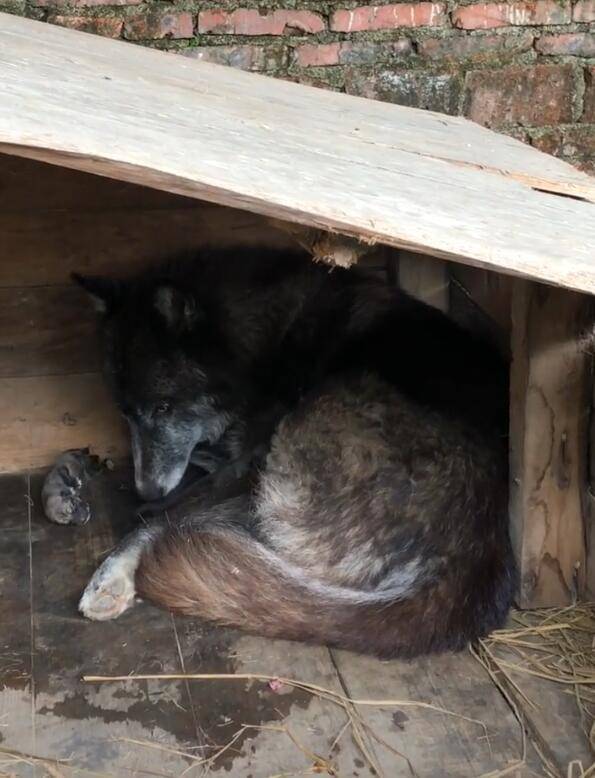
548 441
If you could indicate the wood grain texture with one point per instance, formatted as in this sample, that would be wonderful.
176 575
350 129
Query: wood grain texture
550 711
41 417
491 292
44 248
435 744
16 655
548 442
28 186
221 707
47 331
83 725
425 278
413 179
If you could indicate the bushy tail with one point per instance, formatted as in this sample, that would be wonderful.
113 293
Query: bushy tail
224 574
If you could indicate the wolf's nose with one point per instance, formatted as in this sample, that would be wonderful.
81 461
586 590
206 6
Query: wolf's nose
150 492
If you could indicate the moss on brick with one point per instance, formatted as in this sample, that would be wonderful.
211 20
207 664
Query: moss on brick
331 77
428 68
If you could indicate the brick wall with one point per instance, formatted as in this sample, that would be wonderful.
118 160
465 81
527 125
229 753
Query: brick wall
525 67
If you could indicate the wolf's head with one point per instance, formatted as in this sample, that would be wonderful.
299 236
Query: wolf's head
169 372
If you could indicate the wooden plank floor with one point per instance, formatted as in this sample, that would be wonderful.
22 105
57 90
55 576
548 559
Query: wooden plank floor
149 728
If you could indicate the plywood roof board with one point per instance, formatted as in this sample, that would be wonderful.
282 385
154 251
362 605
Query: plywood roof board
413 179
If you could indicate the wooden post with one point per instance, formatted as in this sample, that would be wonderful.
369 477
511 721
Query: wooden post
590 529
549 422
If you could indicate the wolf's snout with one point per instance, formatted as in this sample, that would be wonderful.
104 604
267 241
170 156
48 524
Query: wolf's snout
150 492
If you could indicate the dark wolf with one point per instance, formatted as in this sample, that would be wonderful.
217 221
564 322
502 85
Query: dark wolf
372 432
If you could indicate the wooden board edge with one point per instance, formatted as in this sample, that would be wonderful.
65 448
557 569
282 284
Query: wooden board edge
164 181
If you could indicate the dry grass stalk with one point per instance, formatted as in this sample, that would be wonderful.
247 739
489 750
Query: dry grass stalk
360 730
10 757
556 645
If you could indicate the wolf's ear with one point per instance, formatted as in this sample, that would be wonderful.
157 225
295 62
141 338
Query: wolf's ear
178 309
104 292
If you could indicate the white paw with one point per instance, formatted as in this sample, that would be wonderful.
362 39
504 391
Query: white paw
108 594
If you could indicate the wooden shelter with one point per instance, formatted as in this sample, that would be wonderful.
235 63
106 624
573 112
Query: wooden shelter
354 172
113 155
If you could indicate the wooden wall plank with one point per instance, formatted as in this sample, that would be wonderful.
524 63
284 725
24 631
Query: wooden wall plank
41 417
44 248
47 330
590 533
490 291
548 442
424 277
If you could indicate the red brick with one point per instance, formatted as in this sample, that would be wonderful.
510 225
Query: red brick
530 96
242 57
476 47
155 25
574 144
578 44
372 52
99 25
247 21
334 84
352 53
584 11
83 3
313 55
550 141
483 16
434 92
589 101
387 17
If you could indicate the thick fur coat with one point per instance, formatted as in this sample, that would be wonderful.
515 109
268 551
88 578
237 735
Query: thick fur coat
374 430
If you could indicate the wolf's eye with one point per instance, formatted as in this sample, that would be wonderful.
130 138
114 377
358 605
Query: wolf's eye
162 407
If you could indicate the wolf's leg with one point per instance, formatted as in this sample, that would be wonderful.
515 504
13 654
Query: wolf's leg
111 590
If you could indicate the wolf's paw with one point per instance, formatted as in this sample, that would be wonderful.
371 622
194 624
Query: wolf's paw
62 490
108 594
67 508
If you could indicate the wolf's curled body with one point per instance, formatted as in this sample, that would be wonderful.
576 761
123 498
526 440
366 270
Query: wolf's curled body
378 518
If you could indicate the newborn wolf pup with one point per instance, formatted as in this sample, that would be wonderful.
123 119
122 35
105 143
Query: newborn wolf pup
376 432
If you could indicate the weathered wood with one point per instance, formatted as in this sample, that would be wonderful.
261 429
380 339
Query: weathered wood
491 292
425 278
43 416
550 711
590 529
480 300
16 690
28 186
73 721
47 331
434 743
437 185
42 248
223 706
548 454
